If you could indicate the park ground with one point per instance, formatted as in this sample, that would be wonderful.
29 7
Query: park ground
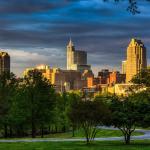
79 145
103 145
102 133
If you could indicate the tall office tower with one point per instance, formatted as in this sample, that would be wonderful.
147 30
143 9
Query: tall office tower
4 62
136 58
124 66
76 59
70 51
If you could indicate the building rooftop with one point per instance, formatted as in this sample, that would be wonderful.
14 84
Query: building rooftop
2 53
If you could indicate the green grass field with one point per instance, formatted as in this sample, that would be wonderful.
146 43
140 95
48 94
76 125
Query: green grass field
80 134
101 133
138 145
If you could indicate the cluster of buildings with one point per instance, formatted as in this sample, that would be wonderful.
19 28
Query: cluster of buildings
79 76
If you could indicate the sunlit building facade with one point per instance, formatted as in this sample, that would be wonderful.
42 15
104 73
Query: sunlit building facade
62 80
76 59
124 67
136 58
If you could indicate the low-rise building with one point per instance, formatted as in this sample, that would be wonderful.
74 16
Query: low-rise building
62 80
116 77
103 76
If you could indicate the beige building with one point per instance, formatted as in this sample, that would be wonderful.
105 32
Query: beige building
4 62
62 80
66 80
43 68
120 89
136 58
76 59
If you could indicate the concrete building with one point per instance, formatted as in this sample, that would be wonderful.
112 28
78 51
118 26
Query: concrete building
116 77
136 58
76 59
66 80
90 82
103 75
44 69
4 62
62 80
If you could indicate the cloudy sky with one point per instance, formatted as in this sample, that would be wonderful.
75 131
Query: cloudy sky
37 31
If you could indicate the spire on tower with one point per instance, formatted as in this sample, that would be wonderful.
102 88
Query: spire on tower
70 43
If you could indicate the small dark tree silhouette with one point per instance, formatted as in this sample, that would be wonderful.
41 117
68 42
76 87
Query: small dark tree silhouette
133 5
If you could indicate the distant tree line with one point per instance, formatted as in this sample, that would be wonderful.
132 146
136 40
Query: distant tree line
30 106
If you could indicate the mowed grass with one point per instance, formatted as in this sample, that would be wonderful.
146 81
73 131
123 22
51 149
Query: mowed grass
118 145
80 133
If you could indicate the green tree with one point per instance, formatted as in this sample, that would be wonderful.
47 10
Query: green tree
124 116
88 115
63 103
7 87
40 98
19 112
142 99
73 97
142 79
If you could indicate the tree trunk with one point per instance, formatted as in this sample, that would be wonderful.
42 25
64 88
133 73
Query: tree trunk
56 129
73 129
33 129
33 117
49 129
22 131
64 128
10 131
5 131
127 138
87 140
42 132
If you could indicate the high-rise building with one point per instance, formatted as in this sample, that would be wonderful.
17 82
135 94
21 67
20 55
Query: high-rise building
136 58
124 66
76 59
70 57
4 62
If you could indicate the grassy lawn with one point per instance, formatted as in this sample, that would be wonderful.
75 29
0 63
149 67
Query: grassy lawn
101 133
138 145
80 134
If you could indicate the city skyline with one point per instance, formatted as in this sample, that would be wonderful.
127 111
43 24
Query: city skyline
40 35
65 67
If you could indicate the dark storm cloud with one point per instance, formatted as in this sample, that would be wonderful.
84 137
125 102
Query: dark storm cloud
26 6
33 28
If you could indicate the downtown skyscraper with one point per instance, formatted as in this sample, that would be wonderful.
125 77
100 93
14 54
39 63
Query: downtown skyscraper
76 59
136 58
